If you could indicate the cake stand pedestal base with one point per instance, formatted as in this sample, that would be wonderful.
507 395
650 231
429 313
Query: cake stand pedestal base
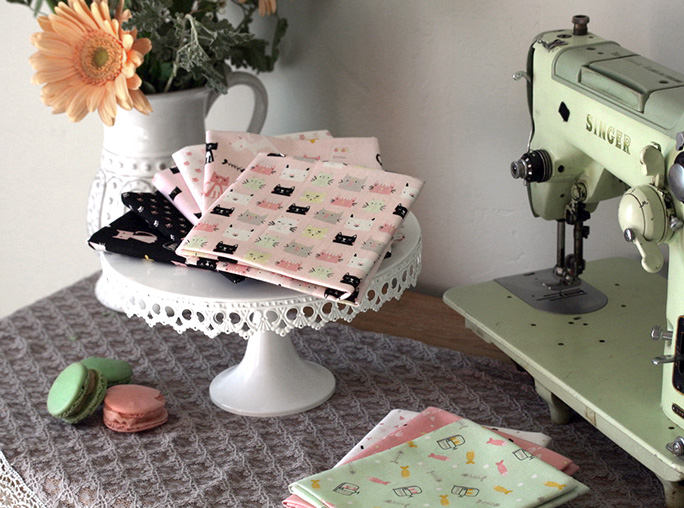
271 380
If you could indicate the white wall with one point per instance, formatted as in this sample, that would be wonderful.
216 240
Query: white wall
431 79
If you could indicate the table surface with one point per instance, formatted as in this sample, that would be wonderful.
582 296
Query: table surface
214 458
598 363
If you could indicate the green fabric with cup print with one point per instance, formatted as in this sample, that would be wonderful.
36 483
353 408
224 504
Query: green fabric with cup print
461 464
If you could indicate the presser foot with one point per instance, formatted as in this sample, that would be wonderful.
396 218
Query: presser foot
542 290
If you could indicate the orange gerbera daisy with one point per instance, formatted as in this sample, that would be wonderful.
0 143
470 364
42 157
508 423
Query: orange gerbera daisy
266 7
86 61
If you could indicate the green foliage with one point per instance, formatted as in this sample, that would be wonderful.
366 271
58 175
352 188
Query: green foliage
191 43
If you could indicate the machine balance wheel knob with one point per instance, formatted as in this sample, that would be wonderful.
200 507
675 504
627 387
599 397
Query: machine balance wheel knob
534 166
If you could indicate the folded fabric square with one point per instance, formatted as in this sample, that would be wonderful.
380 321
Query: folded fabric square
461 463
132 236
400 426
319 227
190 162
159 213
434 418
229 153
172 186
402 421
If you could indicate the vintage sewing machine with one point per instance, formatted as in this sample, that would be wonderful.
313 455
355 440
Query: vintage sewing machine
606 122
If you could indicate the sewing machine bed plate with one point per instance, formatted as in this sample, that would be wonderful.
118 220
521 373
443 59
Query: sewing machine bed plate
598 363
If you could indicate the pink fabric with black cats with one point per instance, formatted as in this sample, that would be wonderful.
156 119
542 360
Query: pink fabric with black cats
319 227
229 153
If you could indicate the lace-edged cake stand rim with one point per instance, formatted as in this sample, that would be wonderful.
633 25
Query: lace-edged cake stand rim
272 379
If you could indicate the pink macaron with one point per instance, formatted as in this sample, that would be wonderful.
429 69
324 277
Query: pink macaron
133 408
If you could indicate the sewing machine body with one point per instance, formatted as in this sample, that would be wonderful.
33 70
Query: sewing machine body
607 120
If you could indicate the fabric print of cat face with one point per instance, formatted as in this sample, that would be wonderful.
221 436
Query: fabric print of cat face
382 188
373 246
299 210
409 192
264 170
141 236
313 197
224 248
283 225
219 210
374 206
351 280
329 257
237 197
270 204
267 242
254 183
216 185
257 256
294 174
358 262
352 183
298 249
342 201
252 218
327 216
400 210
321 272
359 224
323 179
282 191
315 232
196 242
237 233
344 239
289 265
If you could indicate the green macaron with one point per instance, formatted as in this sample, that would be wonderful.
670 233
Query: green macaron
76 393
116 372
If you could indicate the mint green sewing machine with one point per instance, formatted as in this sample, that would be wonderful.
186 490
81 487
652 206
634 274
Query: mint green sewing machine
606 122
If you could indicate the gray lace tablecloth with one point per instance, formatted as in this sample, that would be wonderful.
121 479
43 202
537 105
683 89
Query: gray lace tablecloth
205 457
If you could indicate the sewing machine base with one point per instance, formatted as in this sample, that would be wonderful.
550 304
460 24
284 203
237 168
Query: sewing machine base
597 364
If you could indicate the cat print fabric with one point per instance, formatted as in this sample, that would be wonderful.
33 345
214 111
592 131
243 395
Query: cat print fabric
159 213
171 184
458 464
229 153
322 228
183 184
150 230
190 163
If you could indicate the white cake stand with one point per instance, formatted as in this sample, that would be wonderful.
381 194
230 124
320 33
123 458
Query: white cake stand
272 379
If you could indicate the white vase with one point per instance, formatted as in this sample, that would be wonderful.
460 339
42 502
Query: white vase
138 145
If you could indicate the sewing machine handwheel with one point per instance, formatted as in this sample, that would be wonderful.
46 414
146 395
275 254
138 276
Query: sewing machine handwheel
644 220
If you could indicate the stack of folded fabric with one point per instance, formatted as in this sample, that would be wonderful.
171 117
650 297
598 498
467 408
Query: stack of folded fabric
435 458
306 211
